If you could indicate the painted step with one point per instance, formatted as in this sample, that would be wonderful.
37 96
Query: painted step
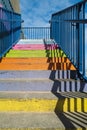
33 102
38 74
37 66
43 121
34 47
36 41
25 84
31 41
29 55
35 53
35 60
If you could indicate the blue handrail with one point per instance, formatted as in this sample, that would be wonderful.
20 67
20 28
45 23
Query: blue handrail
6 4
68 30
10 27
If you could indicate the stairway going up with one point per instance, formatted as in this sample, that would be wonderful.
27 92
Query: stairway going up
39 89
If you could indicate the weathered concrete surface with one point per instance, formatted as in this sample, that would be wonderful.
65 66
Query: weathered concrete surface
34 74
43 102
20 84
43 121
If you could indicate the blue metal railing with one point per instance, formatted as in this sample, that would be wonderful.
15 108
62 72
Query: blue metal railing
6 4
35 33
68 30
10 26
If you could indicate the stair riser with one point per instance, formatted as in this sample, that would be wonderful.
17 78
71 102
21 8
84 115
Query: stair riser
37 48
36 105
35 129
35 60
35 53
34 85
35 74
32 41
40 129
46 66
34 47
33 56
42 121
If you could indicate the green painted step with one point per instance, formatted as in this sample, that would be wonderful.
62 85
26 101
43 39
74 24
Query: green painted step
35 53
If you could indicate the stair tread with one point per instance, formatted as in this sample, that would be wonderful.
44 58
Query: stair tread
46 121
35 60
41 95
34 66
41 84
34 73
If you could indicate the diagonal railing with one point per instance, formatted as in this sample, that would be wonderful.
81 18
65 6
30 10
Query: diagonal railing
10 26
68 30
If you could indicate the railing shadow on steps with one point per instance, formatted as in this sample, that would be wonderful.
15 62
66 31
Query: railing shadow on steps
69 119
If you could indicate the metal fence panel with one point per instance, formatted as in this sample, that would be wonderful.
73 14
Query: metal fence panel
10 26
68 30
35 33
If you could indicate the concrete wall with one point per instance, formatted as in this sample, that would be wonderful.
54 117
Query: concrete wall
16 5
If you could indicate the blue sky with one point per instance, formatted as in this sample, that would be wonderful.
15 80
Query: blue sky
38 12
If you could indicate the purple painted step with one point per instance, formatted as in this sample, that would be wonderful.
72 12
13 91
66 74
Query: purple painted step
34 46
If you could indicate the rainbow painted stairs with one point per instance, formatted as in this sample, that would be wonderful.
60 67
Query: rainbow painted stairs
39 89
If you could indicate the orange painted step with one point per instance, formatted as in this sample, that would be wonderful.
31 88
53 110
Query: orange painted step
38 66
35 60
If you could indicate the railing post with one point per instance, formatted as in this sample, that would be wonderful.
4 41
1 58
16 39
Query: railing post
36 32
69 32
84 13
8 30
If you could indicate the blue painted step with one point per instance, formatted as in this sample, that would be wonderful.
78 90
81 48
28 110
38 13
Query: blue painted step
35 74
43 85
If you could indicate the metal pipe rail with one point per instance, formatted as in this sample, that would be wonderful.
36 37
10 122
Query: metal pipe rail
35 33
68 30
10 26
6 4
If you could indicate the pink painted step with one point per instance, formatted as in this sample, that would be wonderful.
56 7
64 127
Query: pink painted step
34 47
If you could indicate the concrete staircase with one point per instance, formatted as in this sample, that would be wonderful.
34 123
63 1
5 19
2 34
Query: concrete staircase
38 90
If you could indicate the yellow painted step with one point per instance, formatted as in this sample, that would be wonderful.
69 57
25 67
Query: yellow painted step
43 102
